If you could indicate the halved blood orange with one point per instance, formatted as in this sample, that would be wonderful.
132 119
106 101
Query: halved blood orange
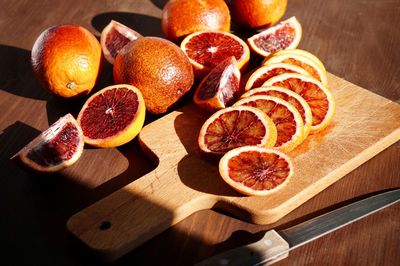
206 49
266 72
113 116
291 97
220 88
256 171
318 97
54 149
114 37
287 119
303 53
285 35
302 61
234 127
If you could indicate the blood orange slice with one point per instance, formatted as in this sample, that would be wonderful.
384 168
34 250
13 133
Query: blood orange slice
113 116
234 127
256 171
114 37
287 119
57 147
302 61
303 53
220 88
206 49
285 35
291 97
318 97
266 72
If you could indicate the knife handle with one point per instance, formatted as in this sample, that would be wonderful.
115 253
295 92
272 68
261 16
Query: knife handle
270 249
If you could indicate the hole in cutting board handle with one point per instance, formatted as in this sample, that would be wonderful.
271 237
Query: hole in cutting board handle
105 225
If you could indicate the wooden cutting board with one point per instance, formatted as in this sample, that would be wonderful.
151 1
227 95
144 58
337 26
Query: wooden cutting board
364 124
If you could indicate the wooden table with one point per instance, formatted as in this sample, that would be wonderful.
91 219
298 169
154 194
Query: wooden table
357 40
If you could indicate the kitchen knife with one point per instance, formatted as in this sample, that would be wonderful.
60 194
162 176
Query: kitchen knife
275 245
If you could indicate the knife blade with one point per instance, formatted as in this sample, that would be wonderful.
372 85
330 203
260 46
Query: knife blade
275 245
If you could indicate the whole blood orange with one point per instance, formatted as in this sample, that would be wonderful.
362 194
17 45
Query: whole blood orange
234 127
113 116
158 68
220 88
256 171
66 59
257 13
114 37
57 147
183 17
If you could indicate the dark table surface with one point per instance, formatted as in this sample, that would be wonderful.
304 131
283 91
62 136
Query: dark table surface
357 40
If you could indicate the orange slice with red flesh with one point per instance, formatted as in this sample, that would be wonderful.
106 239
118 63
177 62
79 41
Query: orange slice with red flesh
220 88
291 97
114 37
234 127
285 35
256 171
287 119
113 116
318 97
266 72
302 61
206 49
303 53
56 148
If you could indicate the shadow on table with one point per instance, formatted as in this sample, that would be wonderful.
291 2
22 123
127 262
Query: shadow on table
16 75
144 24
159 3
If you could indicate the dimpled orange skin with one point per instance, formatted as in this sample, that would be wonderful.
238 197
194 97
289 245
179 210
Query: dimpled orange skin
256 14
183 17
158 68
66 59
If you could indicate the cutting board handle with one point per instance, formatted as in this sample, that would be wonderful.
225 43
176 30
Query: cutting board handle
134 214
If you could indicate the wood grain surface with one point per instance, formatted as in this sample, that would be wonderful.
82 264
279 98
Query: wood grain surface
357 40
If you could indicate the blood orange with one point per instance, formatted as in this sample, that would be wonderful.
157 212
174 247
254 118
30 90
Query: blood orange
257 13
291 97
66 59
286 117
318 97
306 62
266 72
220 88
183 17
114 37
234 127
113 116
256 171
285 35
303 53
57 147
206 49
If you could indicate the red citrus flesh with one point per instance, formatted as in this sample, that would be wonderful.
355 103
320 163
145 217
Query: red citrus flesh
277 41
114 37
285 35
220 88
56 148
256 171
283 118
313 95
209 48
251 170
235 127
109 114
